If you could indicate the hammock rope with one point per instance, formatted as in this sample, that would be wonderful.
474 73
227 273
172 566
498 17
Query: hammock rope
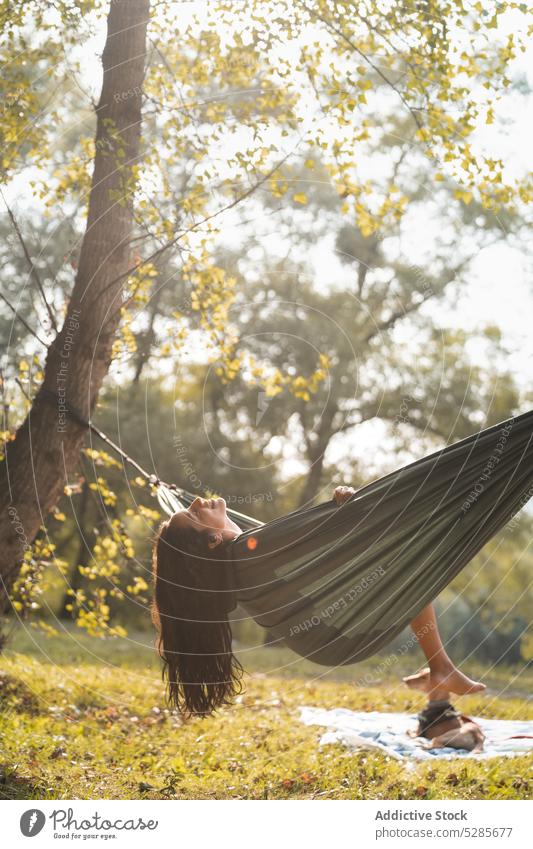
171 497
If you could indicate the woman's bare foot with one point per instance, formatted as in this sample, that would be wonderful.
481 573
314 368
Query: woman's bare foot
439 683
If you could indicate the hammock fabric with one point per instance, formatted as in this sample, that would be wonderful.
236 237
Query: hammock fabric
338 583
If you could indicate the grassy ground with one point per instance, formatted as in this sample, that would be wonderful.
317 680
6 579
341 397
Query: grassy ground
85 719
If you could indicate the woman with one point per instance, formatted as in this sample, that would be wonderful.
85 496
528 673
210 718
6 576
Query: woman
192 599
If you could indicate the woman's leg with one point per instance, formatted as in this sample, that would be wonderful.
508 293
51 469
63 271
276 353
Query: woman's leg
441 677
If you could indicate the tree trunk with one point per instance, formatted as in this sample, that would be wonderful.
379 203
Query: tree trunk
145 342
46 448
312 481
316 452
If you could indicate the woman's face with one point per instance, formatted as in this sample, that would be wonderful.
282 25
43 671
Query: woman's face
207 515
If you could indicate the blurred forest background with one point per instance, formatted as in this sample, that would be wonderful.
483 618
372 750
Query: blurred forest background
316 331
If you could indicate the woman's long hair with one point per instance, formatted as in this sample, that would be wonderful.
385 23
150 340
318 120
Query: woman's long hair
190 615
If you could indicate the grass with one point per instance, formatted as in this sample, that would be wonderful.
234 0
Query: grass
85 719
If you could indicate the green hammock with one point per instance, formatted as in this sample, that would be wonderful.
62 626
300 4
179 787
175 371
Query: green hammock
338 583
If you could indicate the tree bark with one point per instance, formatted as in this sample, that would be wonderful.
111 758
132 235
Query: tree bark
146 340
312 480
46 448
316 453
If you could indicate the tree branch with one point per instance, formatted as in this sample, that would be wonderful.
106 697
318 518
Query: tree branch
23 321
431 293
364 57
33 271
160 251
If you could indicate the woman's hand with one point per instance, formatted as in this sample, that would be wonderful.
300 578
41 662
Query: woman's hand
343 493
